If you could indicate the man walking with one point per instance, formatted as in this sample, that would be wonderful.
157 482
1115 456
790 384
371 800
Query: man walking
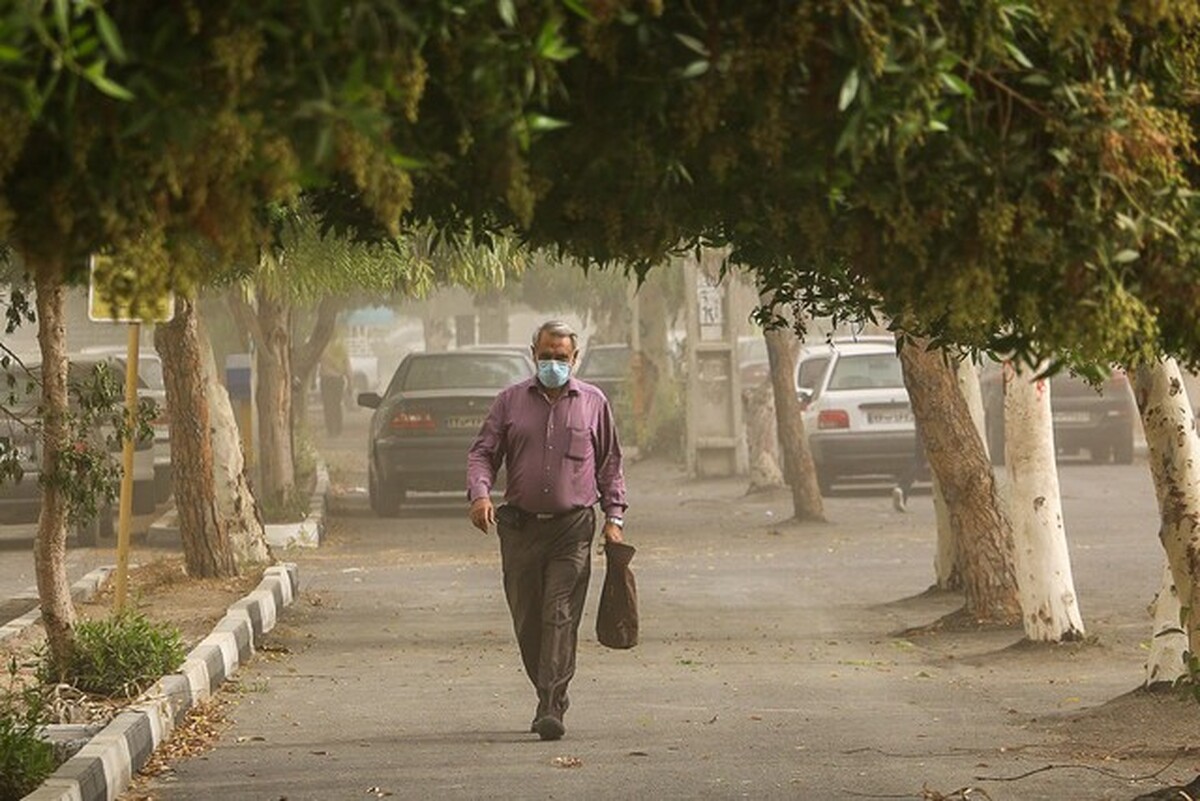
556 436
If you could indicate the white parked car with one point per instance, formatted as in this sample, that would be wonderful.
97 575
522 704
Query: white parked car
856 411
150 386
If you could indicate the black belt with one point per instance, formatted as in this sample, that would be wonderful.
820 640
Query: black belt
523 517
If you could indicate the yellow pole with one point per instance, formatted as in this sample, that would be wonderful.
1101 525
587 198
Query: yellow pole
125 520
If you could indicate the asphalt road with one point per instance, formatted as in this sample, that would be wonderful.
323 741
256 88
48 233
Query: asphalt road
17 579
770 664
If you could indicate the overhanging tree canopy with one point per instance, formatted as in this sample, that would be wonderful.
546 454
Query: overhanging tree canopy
967 167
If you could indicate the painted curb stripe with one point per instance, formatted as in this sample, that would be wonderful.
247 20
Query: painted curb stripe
196 673
226 643
274 585
237 626
104 767
253 612
266 601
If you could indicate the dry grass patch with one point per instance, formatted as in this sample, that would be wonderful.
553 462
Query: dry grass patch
162 591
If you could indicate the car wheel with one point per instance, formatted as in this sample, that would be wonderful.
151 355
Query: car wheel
825 482
383 502
1123 448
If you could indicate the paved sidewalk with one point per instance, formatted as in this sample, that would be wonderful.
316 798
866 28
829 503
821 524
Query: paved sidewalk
768 667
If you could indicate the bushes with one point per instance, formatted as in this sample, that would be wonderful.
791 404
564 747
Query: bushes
25 759
117 656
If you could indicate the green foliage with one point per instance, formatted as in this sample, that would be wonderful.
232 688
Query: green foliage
117 656
25 759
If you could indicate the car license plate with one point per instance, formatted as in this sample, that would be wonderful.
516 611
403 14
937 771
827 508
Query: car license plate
890 417
1072 417
463 421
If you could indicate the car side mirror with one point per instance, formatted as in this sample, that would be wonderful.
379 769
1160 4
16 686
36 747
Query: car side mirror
805 396
369 400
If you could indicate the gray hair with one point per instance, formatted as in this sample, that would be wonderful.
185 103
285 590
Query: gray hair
556 329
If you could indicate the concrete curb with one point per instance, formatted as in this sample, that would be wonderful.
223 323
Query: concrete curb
104 767
83 590
308 532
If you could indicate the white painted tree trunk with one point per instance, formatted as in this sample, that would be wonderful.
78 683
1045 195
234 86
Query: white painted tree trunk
1174 453
1166 662
1049 605
235 503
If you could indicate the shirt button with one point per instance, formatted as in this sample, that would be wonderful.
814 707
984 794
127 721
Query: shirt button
545 490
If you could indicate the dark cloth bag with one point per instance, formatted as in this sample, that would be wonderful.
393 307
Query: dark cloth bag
617 618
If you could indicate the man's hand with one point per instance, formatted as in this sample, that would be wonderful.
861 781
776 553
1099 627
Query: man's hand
612 533
483 514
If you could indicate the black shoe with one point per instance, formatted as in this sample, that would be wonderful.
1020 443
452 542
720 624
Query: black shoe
533 725
549 728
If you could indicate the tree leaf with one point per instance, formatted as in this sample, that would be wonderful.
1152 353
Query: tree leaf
1020 57
696 68
1126 256
957 85
507 11
540 122
693 44
110 35
579 9
849 90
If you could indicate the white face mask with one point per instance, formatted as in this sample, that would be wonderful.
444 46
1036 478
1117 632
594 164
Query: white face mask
552 373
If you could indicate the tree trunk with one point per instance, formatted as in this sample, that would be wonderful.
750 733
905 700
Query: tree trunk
202 528
236 505
798 468
50 549
1166 663
307 356
1174 453
762 438
1049 605
947 563
960 464
277 472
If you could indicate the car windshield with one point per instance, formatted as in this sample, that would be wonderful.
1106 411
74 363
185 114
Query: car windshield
867 371
605 361
482 371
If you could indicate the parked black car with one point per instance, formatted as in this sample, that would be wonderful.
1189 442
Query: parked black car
1097 420
427 419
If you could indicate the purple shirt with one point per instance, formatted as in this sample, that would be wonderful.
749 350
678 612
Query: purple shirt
560 455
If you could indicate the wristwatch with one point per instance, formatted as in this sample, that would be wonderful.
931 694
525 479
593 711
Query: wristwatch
619 522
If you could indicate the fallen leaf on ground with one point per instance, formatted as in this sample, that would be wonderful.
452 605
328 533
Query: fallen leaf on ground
568 762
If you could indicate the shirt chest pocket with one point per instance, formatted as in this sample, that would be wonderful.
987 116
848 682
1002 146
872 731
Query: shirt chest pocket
579 443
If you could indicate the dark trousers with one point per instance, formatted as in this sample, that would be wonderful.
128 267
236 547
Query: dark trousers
547 564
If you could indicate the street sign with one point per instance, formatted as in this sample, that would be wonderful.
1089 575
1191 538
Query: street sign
108 300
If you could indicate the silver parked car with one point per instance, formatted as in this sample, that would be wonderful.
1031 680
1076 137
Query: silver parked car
856 410
427 419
